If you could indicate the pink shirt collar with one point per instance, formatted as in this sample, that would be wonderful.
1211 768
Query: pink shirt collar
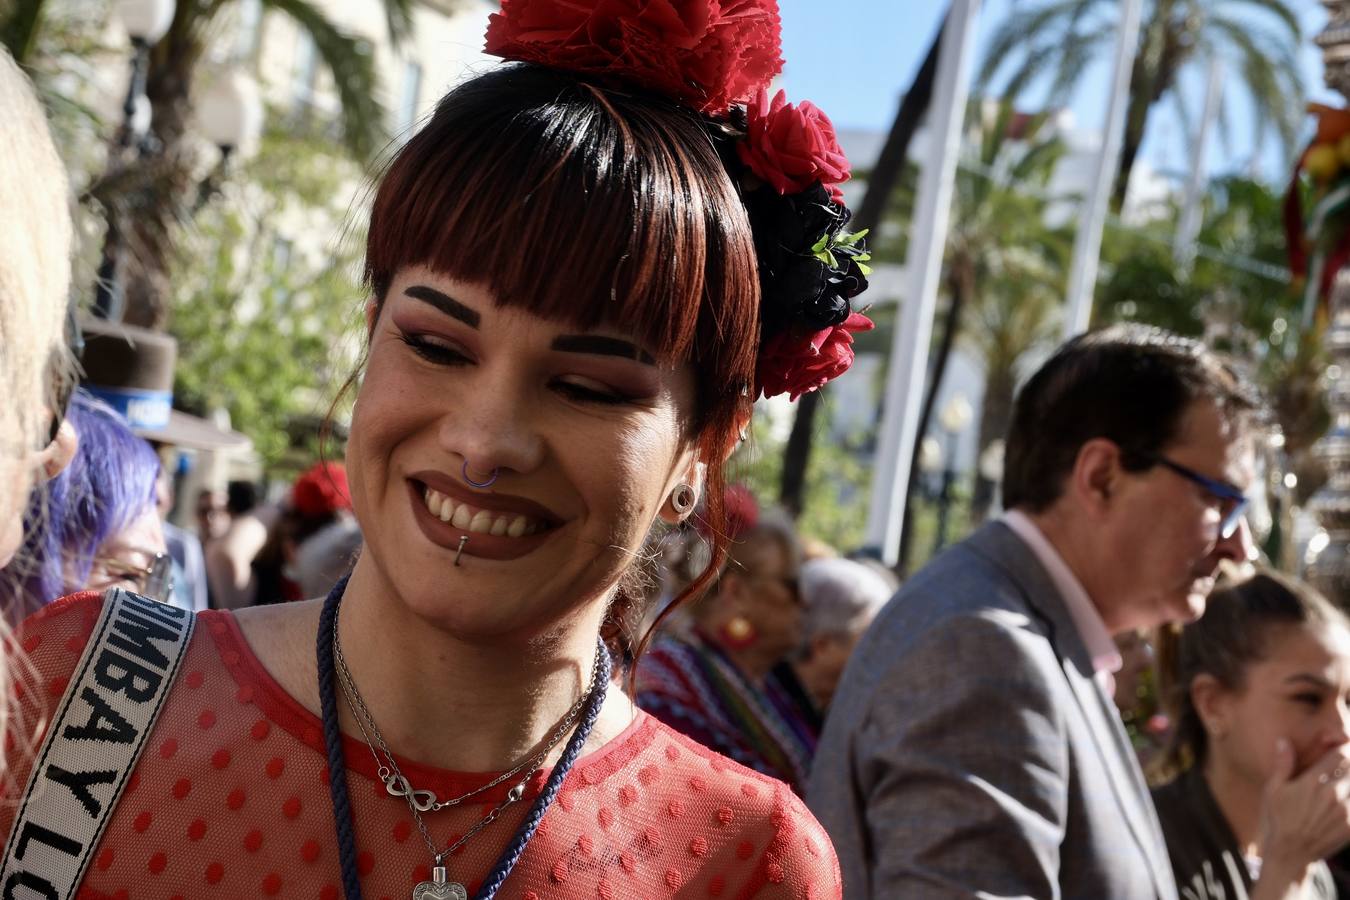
1105 656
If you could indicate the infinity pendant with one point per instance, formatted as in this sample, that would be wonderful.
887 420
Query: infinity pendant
422 801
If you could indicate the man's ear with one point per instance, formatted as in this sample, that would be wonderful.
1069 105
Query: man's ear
1096 475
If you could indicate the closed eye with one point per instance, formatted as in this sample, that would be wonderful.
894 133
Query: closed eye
1308 699
433 351
583 394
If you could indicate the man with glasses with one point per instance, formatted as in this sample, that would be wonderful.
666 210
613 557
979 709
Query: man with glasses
973 748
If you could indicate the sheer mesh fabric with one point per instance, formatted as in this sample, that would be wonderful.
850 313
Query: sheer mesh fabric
230 799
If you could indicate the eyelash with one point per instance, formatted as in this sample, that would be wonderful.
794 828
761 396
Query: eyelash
1309 699
440 355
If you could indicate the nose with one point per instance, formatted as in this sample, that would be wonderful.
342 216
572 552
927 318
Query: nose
493 428
1338 734
1238 547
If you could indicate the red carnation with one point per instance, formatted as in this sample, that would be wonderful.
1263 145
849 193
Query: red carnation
794 363
792 147
707 54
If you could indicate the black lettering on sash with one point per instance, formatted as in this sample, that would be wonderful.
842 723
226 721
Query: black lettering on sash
169 615
79 783
105 723
35 883
134 634
114 672
58 842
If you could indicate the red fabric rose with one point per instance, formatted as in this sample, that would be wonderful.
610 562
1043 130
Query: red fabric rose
792 147
794 363
707 54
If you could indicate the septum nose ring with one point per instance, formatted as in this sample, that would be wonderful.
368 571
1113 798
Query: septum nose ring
468 479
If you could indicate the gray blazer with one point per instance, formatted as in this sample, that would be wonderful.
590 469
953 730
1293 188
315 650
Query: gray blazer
969 752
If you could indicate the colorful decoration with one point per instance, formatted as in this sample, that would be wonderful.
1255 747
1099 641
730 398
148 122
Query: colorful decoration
1319 244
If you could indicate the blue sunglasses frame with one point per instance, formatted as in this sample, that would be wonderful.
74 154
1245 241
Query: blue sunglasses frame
1220 489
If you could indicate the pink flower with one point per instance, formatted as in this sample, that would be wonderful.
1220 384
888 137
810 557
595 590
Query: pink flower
707 54
795 363
792 147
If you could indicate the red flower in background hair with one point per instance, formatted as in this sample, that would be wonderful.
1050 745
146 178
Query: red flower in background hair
794 363
707 54
792 147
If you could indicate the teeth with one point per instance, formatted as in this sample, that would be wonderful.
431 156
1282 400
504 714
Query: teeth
480 521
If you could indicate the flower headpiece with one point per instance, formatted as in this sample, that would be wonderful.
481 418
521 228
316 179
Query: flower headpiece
718 57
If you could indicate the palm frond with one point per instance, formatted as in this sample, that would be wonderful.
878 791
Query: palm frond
351 62
19 24
398 15
1281 11
1010 39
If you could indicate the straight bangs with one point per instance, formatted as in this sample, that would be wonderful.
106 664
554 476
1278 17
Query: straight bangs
585 205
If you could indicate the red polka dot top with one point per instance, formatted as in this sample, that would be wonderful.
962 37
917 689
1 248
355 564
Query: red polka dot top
230 799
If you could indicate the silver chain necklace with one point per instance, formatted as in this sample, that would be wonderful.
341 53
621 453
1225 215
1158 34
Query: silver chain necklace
420 801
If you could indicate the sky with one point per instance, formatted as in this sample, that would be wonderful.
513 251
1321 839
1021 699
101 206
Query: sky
855 58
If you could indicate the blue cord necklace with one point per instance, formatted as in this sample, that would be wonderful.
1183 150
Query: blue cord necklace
438 889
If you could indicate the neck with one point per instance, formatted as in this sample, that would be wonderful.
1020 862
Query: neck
815 681
493 701
1238 800
1075 546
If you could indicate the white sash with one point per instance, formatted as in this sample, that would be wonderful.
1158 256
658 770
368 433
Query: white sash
99 731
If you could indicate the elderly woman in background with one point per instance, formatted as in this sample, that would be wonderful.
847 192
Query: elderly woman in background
714 682
840 598
97 524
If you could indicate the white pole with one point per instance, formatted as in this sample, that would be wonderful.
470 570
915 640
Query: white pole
1188 227
1087 244
928 238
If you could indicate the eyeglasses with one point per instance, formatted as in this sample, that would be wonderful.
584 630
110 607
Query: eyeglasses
154 581
1232 502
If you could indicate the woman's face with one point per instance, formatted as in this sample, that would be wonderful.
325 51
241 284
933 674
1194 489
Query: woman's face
1299 691
124 560
584 430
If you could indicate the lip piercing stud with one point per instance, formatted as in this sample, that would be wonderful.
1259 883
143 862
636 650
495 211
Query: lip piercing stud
460 552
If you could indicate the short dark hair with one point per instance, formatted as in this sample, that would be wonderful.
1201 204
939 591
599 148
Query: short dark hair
240 497
1128 383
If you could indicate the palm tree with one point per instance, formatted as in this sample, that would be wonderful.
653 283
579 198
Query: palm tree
1003 264
148 199
1056 40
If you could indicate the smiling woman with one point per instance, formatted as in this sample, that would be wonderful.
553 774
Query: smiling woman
572 270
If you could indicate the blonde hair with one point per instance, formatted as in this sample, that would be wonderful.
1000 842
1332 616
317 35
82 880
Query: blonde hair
35 247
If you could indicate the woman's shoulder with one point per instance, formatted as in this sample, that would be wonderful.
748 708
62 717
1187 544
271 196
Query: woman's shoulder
734 813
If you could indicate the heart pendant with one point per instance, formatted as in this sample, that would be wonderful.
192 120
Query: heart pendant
439 888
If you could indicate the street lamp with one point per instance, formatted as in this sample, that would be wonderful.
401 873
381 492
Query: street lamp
145 22
991 468
229 115
954 417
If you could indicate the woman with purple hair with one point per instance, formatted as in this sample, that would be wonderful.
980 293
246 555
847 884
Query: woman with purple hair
96 525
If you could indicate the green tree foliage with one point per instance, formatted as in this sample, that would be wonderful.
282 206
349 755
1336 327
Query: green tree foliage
1052 42
269 330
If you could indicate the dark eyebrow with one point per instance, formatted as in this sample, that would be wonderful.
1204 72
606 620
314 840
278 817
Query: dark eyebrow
604 346
445 303
1305 678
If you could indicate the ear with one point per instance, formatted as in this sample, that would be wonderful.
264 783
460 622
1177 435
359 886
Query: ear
372 316
690 470
1096 476
57 455
1210 699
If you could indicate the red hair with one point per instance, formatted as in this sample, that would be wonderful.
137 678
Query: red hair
589 205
